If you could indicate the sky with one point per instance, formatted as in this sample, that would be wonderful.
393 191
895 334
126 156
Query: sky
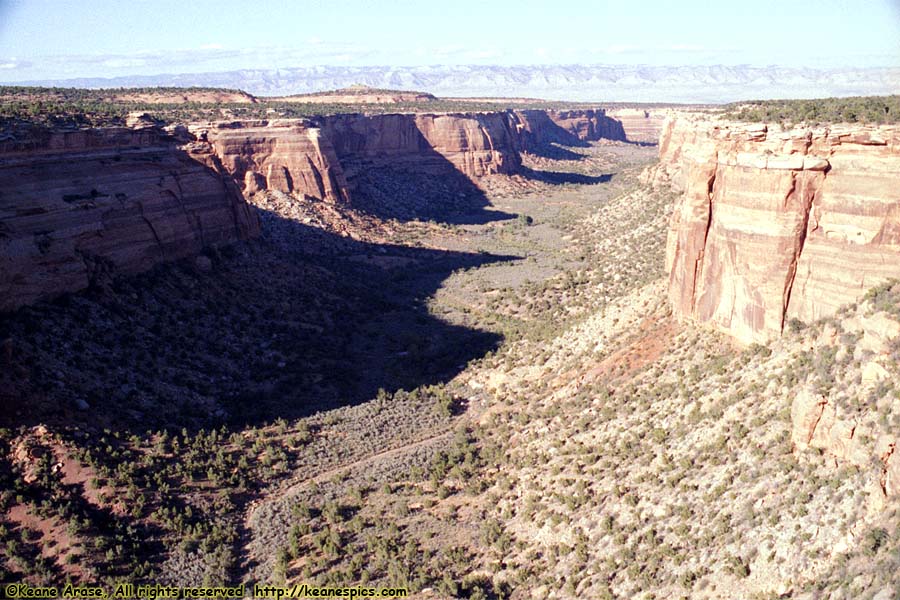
57 39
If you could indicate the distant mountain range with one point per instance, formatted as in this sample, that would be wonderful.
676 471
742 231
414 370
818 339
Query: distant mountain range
562 82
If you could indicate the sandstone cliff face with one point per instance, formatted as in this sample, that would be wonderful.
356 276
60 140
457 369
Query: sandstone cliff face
776 225
846 419
588 125
320 158
536 128
290 156
639 124
475 144
78 202
75 201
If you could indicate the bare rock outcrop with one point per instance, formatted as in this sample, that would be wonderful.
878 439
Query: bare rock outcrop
640 124
817 422
321 158
78 203
475 144
290 156
845 421
537 128
774 225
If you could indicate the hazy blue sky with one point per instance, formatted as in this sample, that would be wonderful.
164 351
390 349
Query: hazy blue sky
102 38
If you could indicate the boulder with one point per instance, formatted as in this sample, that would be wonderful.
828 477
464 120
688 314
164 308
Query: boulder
873 372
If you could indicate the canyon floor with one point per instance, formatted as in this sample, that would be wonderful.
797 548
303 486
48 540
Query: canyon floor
486 401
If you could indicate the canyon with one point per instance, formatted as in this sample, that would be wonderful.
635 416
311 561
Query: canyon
76 204
776 223
437 350
321 157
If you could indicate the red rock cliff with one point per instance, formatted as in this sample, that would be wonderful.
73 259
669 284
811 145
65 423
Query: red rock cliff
536 128
640 124
319 157
291 156
476 144
74 202
774 225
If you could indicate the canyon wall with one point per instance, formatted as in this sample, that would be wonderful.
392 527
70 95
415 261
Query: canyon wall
291 156
475 144
568 127
322 157
75 203
642 125
537 128
774 225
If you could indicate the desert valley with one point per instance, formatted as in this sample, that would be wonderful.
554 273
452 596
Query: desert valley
476 348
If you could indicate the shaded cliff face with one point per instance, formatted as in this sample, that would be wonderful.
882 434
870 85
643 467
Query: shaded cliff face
75 204
324 157
537 128
774 225
587 125
475 144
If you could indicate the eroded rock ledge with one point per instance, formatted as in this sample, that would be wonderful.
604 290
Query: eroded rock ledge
774 225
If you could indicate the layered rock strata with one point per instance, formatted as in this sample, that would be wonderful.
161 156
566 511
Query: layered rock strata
475 144
640 124
536 128
320 158
774 225
290 156
75 203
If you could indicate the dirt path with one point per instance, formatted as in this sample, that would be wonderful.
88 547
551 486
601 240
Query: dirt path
290 485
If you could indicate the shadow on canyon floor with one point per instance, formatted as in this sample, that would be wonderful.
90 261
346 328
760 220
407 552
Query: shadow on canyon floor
425 187
557 151
299 321
443 194
562 177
